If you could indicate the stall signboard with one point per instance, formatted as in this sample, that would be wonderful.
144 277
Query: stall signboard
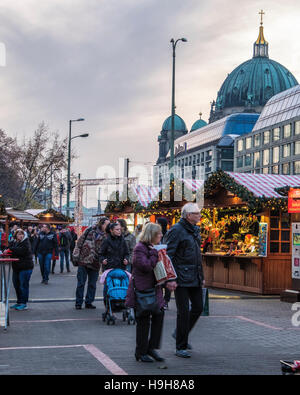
294 200
296 250
263 239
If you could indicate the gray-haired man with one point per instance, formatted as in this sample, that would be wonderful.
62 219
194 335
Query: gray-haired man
183 247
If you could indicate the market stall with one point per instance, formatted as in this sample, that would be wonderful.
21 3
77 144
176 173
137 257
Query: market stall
246 232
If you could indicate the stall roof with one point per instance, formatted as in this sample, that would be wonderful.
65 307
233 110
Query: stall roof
21 215
264 184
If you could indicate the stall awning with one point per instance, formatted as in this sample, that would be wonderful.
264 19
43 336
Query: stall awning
193 185
21 215
146 194
264 184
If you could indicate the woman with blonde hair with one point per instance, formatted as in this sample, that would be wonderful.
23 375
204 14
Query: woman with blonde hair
145 258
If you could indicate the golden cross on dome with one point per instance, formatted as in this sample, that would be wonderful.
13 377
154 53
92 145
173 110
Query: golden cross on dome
261 16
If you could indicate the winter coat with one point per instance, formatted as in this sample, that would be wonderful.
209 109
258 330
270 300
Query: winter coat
183 248
114 250
131 243
22 251
73 241
46 243
65 240
89 244
144 261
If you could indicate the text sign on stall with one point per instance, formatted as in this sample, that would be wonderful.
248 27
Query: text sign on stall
294 200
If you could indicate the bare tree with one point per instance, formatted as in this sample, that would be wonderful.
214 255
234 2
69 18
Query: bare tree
43 158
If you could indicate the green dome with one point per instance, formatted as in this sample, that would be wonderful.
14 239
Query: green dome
179 124
198 124
253 83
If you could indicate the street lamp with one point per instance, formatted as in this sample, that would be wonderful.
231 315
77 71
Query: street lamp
172 137
69 160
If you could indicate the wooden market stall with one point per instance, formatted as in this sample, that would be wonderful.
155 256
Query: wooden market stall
53 217
246 232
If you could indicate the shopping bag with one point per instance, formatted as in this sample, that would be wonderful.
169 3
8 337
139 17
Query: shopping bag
205 311
164 269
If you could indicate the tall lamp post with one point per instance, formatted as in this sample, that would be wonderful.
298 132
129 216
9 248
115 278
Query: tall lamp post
69 160
172 136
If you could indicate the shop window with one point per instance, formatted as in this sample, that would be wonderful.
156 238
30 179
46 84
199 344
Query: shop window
279 232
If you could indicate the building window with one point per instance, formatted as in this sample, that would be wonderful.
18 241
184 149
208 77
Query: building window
208 155
248 142
285 168
297 127
279 232
198 158
265 170
287 131
266 157
267 137
275 170
239 161
286 150
227 165
227 153
276 134
297 148
297 167
257 140
275 154
248 160
256 159
202 156
240 145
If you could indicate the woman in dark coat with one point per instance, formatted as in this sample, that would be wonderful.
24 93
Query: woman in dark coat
22 270
114 253
145 258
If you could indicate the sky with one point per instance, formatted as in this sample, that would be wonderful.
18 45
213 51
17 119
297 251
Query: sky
110 62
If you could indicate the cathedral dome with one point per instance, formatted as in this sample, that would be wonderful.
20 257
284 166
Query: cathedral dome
253 83
250 85
179 124
198 124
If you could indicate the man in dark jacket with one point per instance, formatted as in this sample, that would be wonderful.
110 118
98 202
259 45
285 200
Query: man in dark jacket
183 248
65 240
22 270
45 245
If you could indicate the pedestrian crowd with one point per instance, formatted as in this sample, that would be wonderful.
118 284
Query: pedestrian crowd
110 245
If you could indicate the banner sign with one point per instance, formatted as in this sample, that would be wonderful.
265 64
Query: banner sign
294 200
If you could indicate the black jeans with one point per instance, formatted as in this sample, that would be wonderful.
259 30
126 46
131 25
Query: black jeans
143 342
186 317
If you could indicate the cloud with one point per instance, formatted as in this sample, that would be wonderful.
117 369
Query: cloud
109 61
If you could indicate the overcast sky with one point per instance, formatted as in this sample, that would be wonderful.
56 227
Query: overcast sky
110 61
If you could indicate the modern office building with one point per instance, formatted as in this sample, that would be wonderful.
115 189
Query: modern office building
273 146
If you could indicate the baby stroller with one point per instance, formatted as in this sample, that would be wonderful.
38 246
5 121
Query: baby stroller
115 290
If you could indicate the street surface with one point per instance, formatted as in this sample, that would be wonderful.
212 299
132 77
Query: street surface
244 334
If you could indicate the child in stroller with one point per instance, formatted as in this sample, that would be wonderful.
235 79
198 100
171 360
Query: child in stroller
116 283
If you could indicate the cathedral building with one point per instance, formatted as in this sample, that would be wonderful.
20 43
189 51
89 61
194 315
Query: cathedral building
234 114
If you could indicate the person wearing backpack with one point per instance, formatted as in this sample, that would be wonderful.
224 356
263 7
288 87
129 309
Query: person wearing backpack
86 257
65 240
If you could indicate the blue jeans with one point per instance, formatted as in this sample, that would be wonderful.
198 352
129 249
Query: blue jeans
21 284
64 254
45 265
82 274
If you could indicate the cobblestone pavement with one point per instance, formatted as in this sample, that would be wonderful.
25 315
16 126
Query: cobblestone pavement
242 335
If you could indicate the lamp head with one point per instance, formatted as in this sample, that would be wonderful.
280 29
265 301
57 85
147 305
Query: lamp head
184 40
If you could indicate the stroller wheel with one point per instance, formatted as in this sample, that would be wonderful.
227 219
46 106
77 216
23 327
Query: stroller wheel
111 320
104 317
131 320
